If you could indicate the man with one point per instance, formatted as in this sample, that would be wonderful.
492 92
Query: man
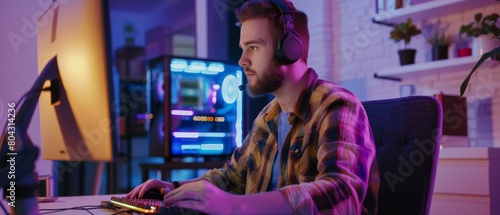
310 149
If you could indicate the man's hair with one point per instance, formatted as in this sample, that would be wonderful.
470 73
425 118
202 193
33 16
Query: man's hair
265 9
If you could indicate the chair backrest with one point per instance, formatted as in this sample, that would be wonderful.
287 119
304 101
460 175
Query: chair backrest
407 134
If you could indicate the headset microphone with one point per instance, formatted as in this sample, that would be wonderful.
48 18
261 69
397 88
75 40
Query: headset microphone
242 87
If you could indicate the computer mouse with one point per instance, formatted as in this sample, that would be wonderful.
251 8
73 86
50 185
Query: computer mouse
153 194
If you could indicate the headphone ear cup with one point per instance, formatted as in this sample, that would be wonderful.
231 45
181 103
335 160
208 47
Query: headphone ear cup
289 47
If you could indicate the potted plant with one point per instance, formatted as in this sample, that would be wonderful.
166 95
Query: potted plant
484 29
491 54
482 26
404 31
440 44
462 46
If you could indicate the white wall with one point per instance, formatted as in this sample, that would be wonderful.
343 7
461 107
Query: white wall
18 61
320 18
357 48
380 52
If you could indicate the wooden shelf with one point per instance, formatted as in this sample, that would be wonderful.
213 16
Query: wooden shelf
431 9
433 67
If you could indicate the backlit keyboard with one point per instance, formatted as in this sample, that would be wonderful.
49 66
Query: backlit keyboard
149 206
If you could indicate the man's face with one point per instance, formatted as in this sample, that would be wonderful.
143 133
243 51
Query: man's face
257 59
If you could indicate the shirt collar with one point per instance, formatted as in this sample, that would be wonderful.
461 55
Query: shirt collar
301 107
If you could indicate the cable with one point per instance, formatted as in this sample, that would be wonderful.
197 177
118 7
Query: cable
85 208
18 103
4 130
127 211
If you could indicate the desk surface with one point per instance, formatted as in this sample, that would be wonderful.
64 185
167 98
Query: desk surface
77 201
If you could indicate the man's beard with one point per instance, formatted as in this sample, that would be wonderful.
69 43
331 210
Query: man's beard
270 80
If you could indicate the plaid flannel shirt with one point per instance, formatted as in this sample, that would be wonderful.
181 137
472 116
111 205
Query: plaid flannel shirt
326 156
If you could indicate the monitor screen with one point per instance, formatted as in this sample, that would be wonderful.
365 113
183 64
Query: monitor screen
82 127
202 106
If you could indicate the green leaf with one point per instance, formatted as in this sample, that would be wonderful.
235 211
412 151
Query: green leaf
481 26
483 58
465 29
404 31
478 17
492 18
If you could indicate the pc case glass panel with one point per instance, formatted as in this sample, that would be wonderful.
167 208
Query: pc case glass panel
197 107
206 107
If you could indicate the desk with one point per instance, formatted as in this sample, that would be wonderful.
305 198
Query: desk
467 181
76 201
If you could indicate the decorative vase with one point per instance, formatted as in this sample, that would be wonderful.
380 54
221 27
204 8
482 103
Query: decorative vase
484 43
407 56
439 52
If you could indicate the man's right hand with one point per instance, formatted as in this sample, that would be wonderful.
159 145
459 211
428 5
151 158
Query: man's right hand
151 184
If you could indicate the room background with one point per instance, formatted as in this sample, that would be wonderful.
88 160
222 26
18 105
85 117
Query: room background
346 47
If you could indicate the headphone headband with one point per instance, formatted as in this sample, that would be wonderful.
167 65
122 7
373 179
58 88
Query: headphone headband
286 13
282 6
289 46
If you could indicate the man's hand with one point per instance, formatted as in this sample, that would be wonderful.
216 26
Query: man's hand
202 196
140 190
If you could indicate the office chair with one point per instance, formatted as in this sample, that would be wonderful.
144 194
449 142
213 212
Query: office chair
407 133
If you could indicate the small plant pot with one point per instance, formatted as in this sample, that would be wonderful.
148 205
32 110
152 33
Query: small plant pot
407 56
464 52
485 43
439 52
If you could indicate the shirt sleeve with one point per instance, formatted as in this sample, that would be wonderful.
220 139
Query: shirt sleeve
345 153
231 177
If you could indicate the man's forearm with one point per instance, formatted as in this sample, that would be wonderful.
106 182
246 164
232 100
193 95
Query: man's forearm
191 180
273 202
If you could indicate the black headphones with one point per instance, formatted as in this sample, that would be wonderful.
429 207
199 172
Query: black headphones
289 46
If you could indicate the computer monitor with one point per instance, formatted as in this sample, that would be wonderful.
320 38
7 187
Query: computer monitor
83 125
203 107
